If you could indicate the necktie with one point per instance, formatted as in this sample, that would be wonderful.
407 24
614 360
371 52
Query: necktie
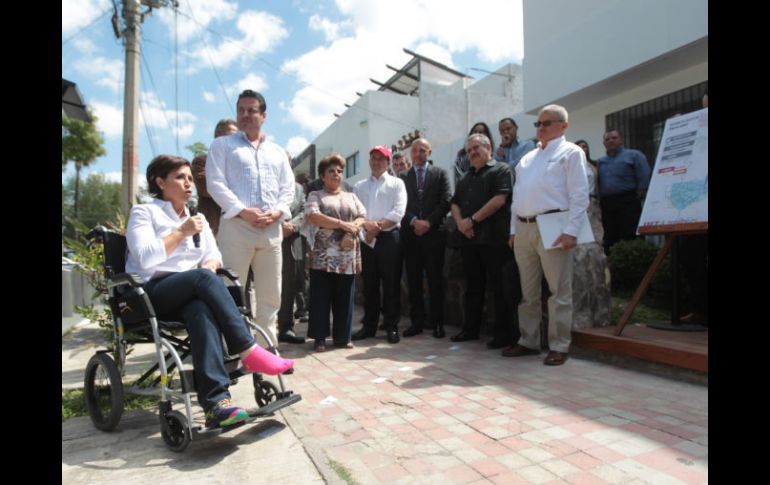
420 178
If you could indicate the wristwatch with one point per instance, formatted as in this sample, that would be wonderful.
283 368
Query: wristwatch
473 221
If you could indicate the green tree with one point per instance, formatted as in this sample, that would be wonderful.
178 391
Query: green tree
82 144
99 202
198 148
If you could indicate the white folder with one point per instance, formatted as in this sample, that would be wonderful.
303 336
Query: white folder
552 226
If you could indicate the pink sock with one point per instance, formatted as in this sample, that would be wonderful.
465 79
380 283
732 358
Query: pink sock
261 361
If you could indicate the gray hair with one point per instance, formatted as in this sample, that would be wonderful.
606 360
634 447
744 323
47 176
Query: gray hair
423 141
482 138
559 111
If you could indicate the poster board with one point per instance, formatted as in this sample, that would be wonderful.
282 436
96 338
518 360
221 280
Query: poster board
677 198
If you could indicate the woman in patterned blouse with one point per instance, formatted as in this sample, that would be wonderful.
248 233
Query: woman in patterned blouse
333 219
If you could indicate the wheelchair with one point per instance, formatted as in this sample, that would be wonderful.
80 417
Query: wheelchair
135 322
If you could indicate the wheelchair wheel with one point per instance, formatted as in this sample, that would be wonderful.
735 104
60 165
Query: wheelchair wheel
265 392
174 431
103 392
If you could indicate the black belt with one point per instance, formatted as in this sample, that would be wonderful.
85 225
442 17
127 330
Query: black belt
534 218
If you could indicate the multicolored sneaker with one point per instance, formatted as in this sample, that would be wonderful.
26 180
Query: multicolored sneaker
225 414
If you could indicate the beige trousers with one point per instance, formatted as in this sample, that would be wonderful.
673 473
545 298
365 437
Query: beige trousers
243 245
534 260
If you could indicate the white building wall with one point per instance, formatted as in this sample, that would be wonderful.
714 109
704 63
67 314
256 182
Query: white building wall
376 118
443 113
571 45
588 123
449 112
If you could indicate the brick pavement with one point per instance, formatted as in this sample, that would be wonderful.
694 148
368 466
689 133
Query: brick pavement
431 411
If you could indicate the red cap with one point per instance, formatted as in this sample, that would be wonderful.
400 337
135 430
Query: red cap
382 149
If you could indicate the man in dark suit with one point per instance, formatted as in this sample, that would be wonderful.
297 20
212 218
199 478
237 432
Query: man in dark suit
423 235
293 268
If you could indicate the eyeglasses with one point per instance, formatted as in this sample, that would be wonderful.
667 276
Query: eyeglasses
332 171
546 123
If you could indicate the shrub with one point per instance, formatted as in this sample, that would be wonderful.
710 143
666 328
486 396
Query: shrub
629 262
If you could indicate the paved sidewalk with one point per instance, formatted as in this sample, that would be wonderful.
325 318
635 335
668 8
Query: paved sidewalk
430 411
423 411
267 451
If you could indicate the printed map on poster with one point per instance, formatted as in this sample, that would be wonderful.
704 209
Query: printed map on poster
679 188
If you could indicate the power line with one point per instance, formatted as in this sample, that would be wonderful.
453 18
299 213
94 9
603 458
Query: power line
176 76
211 62
278 69
152 81
147 126
87 26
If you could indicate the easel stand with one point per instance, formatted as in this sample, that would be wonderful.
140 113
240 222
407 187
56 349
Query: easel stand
671 232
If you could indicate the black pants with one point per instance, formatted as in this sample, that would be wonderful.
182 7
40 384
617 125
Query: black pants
330 291
382 264
483 263
292 288
425 253
620 217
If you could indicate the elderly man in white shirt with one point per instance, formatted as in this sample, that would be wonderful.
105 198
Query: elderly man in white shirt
252 181
384 197
550 178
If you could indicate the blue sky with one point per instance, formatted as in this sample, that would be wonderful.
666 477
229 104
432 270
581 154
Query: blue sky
307 58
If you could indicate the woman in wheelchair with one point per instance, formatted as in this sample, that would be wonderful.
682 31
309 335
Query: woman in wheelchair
176 254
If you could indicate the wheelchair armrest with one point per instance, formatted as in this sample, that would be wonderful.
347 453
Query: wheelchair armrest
228 273
132 279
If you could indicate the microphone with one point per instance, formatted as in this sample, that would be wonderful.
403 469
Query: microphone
197 236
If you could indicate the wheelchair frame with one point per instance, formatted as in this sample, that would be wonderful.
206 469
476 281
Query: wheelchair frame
177 429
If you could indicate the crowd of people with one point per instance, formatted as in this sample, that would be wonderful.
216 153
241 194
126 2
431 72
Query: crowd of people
304 241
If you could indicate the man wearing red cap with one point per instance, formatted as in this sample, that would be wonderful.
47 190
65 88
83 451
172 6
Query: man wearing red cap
384 198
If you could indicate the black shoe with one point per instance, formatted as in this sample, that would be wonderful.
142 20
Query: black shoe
393 337
302 317
362 334
497 344
412 331
439 332
290 338
464 337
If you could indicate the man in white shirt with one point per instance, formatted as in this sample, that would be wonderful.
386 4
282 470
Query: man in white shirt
252 181
384 198
548 179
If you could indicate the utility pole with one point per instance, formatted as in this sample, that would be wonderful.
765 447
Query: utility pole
133 19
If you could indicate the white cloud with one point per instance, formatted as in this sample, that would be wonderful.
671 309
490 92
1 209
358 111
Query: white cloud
209 97
347 65
109 119
195 15
330 29
116 176
260 31
296 144
436 28
155 113
77 14
435 52
85 46
105 72
493 27
251 81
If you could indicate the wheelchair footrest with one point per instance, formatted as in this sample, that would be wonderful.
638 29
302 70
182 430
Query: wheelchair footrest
274 406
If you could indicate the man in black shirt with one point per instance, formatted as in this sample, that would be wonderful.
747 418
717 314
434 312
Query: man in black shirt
481 209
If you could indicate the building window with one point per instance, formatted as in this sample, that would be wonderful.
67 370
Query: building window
642 125
351 165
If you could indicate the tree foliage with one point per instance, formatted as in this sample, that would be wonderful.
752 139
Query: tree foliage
198 148
80 142
99 202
